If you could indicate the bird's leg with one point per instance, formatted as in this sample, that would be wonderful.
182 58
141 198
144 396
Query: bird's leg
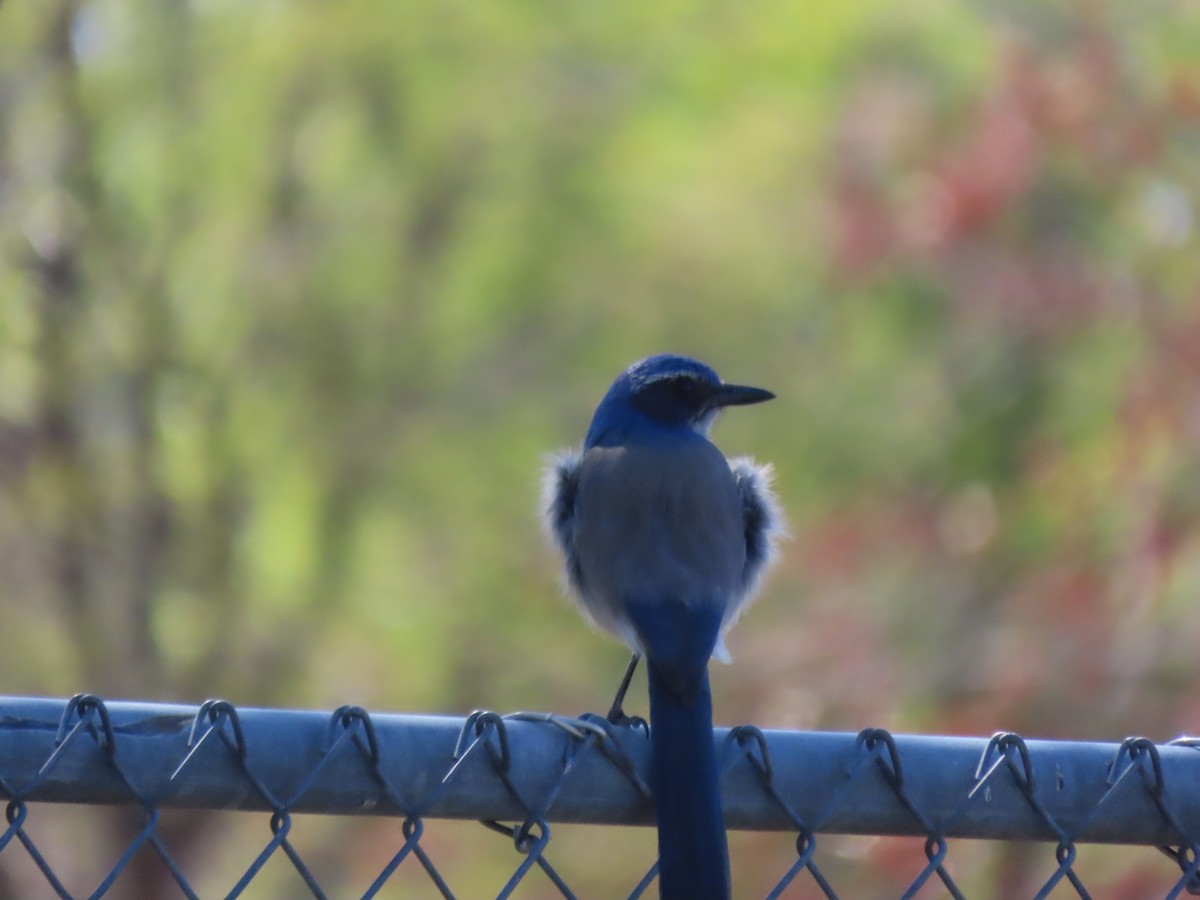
616 713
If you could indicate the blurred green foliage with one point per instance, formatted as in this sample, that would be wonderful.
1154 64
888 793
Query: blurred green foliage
294 298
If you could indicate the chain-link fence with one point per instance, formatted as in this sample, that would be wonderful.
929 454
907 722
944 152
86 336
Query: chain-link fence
532 770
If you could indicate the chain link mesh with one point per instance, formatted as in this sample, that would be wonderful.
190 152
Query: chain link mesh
152 758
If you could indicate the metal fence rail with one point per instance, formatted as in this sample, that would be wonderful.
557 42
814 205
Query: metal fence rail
536 769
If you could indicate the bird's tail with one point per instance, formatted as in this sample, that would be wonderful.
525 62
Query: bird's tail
693 858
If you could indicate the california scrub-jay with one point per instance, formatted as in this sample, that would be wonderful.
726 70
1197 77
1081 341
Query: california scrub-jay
664 541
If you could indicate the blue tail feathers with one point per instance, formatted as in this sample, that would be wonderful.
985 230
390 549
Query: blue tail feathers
678 639
692 851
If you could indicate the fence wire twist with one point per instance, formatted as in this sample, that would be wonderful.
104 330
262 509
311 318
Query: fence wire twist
530 769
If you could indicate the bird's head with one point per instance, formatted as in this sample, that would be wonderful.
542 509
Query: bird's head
669 391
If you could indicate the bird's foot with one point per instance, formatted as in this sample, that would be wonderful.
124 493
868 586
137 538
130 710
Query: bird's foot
616 713
616 716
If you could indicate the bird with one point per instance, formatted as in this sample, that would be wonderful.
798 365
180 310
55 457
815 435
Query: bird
664 542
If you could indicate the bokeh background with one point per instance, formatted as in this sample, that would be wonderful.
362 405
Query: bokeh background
294 298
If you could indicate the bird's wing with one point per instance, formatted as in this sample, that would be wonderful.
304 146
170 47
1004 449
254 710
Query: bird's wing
560 485
763 527
762 517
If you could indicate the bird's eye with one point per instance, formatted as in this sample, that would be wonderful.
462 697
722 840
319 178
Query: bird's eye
676 400
686 388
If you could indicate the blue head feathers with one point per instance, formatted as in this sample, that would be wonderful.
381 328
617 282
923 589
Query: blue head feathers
665 391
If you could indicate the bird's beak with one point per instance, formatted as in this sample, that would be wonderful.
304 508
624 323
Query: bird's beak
738 395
